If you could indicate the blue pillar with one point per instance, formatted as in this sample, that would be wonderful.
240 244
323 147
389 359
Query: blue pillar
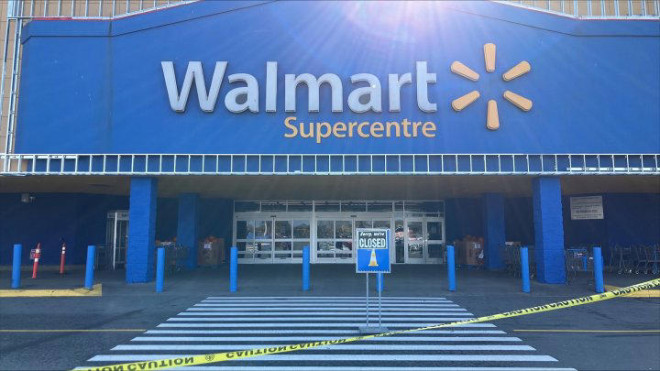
141 230
233 269
16 267
548 230
451 268
160 269
524 268
494 230
89 267
186 232
305 269
598 270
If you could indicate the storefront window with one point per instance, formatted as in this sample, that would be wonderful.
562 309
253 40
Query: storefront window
282 229
300 229
324 229
344 229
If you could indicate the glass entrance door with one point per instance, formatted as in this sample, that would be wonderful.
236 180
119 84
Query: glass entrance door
424 240
334 240
435 241
415 241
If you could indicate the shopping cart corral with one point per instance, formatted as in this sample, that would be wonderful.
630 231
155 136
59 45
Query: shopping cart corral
175 256
578 259
512 260
635 259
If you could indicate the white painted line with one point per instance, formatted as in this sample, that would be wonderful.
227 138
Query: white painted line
314 325
310 339
372 368
305 314
346 357
452 308
248 298
315 319
357 346
230 308
296 305
326 301
320 333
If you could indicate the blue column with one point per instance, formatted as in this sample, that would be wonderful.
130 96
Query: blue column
141 230
233 269
89 267
160 269
186 232
548 230
305 269
598 270
16 267
451 268
494 230
524 268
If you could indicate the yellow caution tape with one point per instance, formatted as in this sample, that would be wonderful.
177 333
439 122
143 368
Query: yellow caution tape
241 354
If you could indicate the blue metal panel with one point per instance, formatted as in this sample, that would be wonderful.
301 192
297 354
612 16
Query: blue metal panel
586 100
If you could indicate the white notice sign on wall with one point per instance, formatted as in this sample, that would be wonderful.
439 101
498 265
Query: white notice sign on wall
583 208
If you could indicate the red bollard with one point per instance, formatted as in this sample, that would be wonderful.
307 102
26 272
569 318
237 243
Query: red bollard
37 255
62 258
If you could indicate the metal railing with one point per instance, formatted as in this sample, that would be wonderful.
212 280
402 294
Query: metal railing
328 164
594 9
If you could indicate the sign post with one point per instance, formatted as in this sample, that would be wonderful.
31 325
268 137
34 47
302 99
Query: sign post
373 256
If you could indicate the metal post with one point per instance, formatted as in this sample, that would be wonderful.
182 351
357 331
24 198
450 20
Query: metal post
305 269
233 269
379 280
367 275
451 268
160 269
598 270
380 289
16 267
524 265
89 269
585 262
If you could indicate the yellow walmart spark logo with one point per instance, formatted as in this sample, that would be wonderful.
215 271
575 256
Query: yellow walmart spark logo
492 119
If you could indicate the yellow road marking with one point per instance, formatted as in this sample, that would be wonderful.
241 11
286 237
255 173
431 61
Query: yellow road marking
638 294
76 330
593 331
96 290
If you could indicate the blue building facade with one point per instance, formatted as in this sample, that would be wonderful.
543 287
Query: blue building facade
442 119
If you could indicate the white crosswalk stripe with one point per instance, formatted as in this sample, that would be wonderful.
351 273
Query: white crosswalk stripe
222 324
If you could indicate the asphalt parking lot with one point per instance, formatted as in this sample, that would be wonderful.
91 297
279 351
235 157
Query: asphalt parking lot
50 333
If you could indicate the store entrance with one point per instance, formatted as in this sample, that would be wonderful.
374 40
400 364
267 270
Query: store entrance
424 241
277 231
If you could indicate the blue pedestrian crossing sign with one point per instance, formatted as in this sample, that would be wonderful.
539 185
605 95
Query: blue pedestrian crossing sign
373 250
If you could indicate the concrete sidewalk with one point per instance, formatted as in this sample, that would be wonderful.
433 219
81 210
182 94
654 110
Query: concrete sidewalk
68 331
326 280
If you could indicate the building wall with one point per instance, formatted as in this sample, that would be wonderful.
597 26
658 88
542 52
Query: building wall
56 9
81 220
110 8
118 102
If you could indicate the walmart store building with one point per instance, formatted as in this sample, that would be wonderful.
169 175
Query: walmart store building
276 125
